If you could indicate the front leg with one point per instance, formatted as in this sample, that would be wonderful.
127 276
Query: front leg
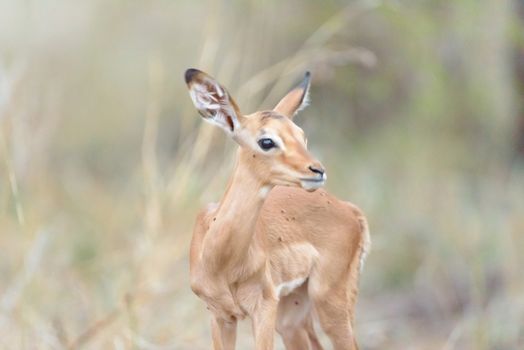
224 333
264 322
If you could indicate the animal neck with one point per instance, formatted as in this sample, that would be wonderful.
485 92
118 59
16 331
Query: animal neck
231 230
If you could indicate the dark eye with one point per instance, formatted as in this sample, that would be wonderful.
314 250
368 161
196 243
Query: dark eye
266 144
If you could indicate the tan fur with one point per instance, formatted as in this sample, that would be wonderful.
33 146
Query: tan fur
248 247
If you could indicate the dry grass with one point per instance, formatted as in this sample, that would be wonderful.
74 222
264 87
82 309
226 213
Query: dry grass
104 163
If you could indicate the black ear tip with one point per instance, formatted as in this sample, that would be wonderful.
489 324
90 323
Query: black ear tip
190 74
307 79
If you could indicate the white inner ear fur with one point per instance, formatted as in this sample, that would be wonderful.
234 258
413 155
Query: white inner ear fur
219 90
204 101
202 98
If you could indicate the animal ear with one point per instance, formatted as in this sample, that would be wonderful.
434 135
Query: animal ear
212 101
295 100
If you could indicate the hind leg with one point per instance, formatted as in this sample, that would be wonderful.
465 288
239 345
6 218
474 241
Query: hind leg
301 337
295 323
335 320
310 330
333 303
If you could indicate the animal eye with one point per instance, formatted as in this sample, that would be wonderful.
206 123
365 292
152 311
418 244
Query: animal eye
266 144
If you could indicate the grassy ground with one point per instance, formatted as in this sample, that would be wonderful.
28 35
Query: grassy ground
104 162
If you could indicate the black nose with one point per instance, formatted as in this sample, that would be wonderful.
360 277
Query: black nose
319 171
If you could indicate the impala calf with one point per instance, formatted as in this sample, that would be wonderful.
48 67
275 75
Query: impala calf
277 248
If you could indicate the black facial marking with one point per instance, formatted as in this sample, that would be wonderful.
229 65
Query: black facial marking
230 123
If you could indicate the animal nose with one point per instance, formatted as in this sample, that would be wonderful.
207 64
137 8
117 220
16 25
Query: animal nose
317 169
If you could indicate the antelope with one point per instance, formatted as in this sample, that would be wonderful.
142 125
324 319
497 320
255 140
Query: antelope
277 248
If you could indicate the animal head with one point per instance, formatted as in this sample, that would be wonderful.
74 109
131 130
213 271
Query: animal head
273 144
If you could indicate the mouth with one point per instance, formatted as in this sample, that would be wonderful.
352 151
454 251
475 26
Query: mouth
312 184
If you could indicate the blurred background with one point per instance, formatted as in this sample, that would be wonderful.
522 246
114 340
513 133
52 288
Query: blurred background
417 113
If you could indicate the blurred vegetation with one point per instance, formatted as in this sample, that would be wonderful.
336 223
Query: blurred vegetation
104 162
